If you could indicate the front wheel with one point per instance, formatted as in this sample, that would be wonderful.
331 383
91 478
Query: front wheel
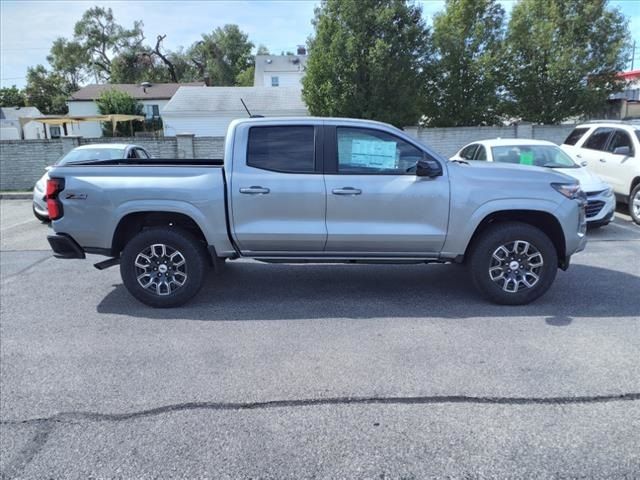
513 263
163 267
634 204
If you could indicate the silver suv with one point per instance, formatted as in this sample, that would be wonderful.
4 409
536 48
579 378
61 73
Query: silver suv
611 150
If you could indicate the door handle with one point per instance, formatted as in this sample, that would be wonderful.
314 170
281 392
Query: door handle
255 190
578 155
602 160
346 191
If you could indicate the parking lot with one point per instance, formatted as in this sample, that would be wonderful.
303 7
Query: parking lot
318 371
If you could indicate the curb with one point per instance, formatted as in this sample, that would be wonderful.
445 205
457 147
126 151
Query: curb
16 196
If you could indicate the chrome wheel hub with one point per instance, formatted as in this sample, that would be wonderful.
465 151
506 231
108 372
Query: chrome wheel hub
636 204
516 266
161 269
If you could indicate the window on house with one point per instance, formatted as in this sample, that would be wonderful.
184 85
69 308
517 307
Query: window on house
152 111
275 81
54 132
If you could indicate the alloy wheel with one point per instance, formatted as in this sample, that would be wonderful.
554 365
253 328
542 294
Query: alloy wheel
161 269
516 266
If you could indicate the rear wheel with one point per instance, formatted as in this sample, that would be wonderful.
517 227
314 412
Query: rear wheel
634 204
513 263
163 267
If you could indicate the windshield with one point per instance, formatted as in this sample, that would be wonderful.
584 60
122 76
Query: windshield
549 156
88 154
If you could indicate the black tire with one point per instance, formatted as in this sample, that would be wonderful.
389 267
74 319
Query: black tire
481 260
42 218
191 272
635 196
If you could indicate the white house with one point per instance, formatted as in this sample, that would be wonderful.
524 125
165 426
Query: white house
12 129
280 70
153 97
207 111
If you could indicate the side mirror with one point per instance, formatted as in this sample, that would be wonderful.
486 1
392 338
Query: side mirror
428 168
622 151
46 169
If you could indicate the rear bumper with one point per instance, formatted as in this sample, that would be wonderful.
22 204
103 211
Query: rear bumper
64 246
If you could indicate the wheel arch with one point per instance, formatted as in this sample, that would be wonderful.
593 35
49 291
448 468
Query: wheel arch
134 222
544 221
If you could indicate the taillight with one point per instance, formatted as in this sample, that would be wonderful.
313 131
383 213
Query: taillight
54 207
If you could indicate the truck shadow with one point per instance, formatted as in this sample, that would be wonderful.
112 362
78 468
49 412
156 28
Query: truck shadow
253 291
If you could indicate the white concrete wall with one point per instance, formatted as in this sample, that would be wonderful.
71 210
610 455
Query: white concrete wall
286 79
86 129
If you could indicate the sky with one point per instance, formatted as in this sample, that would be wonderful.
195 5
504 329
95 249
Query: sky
28 27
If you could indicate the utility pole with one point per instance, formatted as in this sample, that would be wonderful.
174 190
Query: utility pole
633 54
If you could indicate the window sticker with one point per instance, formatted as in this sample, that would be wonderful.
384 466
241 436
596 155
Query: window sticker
373 153
526 158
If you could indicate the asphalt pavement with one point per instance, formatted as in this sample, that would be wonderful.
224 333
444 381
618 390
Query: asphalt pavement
318 371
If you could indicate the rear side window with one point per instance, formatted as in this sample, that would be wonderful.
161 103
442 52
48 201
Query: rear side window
598 139
576 135
288 149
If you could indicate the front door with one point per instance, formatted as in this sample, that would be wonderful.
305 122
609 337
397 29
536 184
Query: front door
375 202
618 167
277 191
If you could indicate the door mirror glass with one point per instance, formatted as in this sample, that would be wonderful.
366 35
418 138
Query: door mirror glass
428 168
622 151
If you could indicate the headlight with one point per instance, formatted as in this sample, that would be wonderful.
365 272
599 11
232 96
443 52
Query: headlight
570 190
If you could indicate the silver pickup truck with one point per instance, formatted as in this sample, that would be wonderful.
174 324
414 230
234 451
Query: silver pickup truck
317 190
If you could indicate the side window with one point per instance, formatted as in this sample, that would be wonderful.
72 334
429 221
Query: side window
576 135
288 149
481 153
468 152
141 153
598 139
620 138
132 153
367 151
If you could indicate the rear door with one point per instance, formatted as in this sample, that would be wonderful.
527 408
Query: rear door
277 191
593 151
375 202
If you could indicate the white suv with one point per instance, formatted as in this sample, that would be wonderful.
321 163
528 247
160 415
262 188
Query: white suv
611 150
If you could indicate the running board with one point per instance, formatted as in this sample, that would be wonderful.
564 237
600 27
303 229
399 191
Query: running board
110 262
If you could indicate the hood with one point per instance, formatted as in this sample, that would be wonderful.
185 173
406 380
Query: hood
513 170
589 181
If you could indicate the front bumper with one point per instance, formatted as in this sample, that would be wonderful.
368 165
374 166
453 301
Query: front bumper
64 246
600 208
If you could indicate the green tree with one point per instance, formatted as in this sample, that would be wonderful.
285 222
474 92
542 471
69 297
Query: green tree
114 101
12 97
47 91
563 56
465 76
262 50
103 39
222 55
70 60
367 60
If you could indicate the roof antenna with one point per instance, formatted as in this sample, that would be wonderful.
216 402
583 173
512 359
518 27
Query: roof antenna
248 112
